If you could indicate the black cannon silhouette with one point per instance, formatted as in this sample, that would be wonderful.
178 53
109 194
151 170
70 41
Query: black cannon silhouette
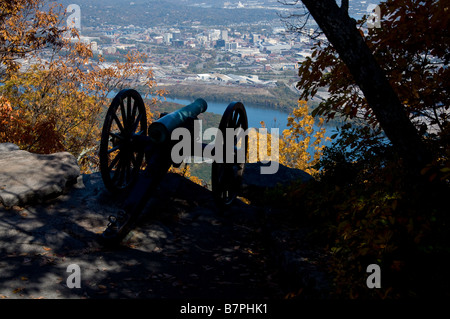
126 142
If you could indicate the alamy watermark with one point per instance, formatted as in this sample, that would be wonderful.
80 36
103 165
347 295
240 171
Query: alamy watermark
74 19
374 279
74 279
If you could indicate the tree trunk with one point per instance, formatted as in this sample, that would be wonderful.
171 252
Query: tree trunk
342 33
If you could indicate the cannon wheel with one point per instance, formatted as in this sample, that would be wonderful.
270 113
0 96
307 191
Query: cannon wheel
226 178
120 161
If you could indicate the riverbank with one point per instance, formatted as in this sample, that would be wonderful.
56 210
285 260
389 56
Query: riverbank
279 97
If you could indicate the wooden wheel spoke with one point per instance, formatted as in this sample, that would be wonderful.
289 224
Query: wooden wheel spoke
234 119
115 135
114 162
115 148
117 120
136 123
240 122
129 118
133 113
123 112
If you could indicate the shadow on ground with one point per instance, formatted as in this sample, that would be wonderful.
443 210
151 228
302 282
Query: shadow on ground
182 247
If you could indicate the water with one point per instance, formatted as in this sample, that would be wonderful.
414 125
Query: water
255 114
271 117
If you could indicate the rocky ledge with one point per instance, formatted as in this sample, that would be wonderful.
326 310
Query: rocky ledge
27 177
183 246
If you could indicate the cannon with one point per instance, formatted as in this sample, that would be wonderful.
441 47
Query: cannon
134 158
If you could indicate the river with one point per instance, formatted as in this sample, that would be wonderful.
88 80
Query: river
272 118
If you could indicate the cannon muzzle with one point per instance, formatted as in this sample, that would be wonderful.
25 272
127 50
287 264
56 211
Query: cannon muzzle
159 131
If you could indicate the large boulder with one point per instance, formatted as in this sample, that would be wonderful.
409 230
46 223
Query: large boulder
27 177
255 183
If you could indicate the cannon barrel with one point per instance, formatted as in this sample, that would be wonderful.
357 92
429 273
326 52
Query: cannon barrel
159 131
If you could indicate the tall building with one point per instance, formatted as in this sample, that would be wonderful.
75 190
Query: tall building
254 38
202 39
214 34
224 35
176 35
167 37
220 43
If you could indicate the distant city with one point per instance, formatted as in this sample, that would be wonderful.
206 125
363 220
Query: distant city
258 51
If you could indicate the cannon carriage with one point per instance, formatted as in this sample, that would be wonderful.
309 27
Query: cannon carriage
134 158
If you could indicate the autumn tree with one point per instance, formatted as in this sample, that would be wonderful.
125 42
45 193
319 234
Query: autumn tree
57 102
389 82
302 144
27 26
366 84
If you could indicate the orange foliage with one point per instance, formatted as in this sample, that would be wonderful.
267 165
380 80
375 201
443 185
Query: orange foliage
57 103
297 141
26 27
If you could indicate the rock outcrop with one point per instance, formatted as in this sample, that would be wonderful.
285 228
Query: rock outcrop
7 147
182 246
254 184
27 177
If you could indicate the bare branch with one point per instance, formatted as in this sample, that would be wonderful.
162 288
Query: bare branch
297 22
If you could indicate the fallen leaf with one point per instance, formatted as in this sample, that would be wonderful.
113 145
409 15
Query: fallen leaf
23 278
102 286
46 248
